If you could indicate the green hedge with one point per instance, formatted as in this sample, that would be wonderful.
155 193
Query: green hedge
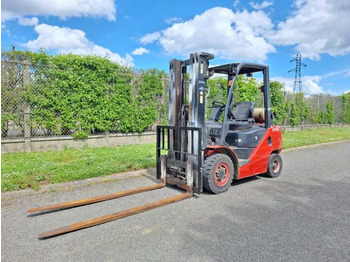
82 95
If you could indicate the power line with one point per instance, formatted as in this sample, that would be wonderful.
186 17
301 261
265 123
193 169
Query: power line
297 79
16 47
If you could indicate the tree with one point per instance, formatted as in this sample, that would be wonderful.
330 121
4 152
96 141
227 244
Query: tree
217 88
301 108
294 116
147 93
345 114
330 112
247 89
278 104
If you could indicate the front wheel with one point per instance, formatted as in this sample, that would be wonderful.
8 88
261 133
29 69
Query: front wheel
217 173
274 167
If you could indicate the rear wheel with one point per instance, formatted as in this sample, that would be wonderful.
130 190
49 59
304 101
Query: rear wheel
217 173
274 167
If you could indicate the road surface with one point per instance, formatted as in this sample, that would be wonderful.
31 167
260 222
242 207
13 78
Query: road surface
304 215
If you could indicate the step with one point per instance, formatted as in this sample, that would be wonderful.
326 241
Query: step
243 162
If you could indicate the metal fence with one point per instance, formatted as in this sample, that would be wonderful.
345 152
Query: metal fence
25 88
317 104
22 88
15 111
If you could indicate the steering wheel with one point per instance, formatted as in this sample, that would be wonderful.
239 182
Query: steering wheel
217 103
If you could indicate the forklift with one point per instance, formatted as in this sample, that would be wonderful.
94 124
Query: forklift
235 142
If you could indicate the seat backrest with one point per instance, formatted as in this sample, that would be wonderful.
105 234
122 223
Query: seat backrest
243 110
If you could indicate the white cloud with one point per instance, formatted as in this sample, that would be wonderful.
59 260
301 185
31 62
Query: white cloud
61 8
150 38
172 20
67 40
258 6
140 51
236 4
334 73
316 27
288 82
28 21
348 73
347 91
310 84
219 31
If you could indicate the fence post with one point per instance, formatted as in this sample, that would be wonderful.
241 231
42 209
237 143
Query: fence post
107 138
26 120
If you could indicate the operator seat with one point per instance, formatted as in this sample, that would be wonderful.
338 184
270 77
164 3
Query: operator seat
242 113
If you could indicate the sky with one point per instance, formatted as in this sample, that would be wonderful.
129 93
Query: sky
147 34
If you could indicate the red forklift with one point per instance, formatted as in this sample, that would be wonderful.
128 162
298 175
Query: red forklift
235 142
244 143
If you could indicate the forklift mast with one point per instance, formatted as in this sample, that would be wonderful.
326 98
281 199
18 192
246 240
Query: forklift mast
185 137
187 104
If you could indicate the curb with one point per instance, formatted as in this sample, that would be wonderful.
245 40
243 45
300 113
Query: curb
312 146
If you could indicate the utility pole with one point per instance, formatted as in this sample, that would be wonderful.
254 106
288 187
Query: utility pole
297 79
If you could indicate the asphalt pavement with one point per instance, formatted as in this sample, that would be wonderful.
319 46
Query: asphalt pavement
304 215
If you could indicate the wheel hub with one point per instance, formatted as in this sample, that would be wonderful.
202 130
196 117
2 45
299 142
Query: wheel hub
221 173
275 166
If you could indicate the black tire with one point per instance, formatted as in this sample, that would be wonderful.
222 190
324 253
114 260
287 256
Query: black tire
275 165
218 172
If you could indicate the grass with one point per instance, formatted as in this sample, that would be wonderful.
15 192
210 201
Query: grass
315 136
31 170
